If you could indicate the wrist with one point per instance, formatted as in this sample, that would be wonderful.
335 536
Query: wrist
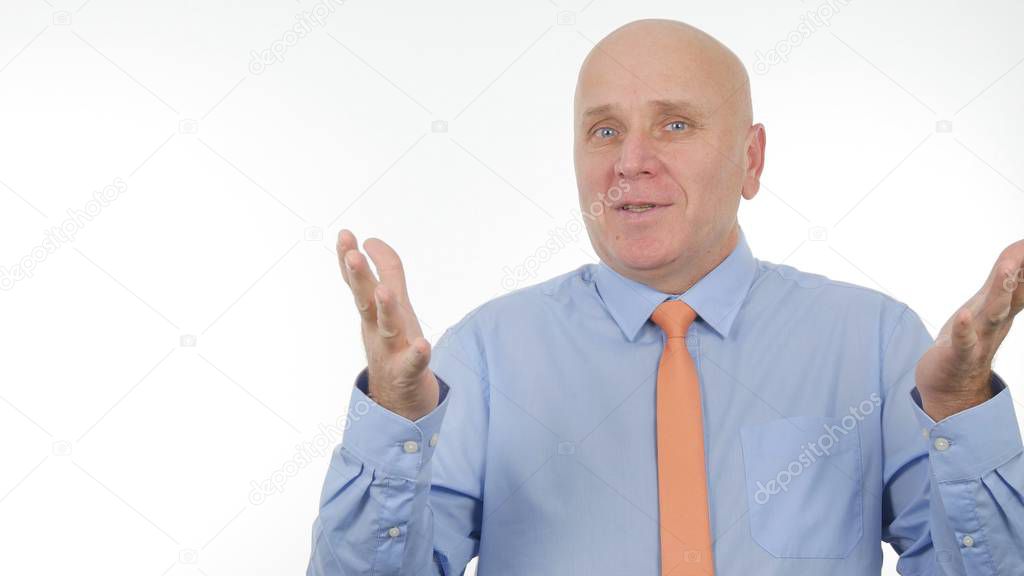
940 406
412 405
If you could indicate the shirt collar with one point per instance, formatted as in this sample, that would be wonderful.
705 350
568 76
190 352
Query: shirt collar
716 297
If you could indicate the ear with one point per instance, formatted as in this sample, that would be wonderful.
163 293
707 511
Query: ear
755 160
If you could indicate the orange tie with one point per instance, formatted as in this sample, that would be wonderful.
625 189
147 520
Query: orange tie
682 480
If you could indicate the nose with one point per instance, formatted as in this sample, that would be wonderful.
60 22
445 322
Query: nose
637 157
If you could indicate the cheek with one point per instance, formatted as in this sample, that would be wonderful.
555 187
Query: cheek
596 187
703 174
690 164
720 166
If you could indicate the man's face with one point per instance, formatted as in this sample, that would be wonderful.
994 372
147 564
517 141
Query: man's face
659 121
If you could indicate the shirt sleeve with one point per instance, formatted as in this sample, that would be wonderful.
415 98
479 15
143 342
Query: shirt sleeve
953 500
389 504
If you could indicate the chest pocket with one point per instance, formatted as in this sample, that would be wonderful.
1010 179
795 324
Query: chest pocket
804 486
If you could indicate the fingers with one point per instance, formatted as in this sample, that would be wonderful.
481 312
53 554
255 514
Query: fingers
346 242
383 303
388 265
389 324
362 282
995 307
1013 282
964 337
1017 301
1003 295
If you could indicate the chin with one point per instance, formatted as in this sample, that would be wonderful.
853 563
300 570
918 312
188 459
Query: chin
643 254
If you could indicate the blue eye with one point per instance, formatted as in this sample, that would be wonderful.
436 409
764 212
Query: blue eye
600 130
680 123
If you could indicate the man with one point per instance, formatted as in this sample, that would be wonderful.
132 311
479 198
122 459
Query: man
681 407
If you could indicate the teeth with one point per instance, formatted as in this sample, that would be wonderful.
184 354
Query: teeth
638 207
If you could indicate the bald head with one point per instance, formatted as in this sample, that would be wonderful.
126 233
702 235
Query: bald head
662 57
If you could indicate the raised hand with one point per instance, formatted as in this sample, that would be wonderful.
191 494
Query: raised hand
397 354
954 374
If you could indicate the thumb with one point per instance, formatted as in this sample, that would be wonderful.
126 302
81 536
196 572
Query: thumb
964 337
416 357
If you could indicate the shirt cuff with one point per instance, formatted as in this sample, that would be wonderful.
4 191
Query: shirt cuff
388 441
973 442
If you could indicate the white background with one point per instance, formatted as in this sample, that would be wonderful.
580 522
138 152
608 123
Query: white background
126 452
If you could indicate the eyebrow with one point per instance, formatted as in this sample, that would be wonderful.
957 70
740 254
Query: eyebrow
677 106
598 110
681 106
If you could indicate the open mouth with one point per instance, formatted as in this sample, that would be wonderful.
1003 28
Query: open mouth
638 207
640 211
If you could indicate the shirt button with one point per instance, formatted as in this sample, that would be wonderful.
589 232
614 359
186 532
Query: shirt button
924 432
968 541
433 440
941 444
410 447
394 532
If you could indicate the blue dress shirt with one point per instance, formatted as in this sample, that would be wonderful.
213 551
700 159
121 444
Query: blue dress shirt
540 457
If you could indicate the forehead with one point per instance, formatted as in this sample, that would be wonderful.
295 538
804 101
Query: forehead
645 73
610 83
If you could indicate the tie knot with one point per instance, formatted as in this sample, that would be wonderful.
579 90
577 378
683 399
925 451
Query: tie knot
674 317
